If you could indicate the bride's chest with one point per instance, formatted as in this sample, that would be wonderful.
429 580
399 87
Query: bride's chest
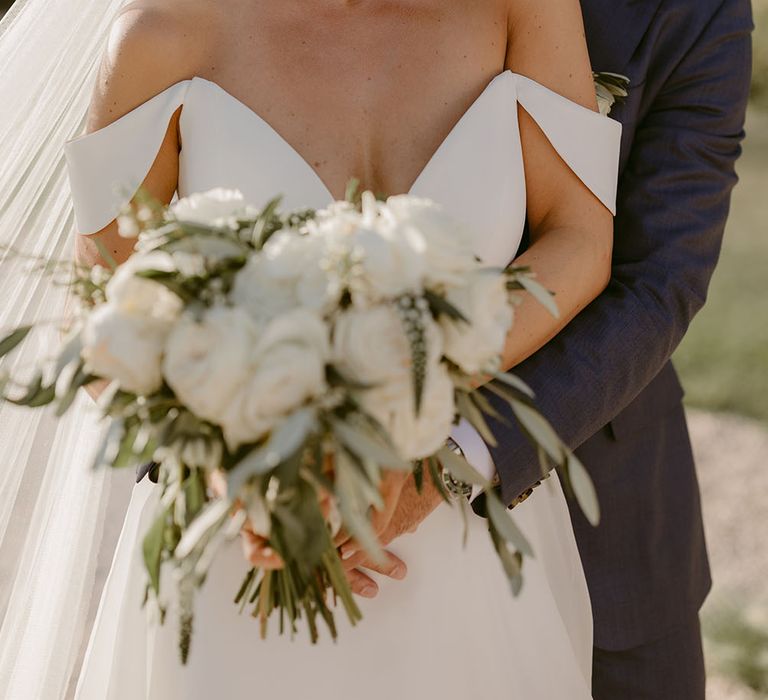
364 89
475 172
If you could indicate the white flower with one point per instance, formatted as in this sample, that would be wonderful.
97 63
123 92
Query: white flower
286 368
126 347
136 295
393 405
484 301
210 248
289 272
448 251
261 295
206 361
391 261
127 226
215 207
370 345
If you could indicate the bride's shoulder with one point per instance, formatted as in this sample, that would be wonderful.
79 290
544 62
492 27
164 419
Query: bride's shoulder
152 44
546 42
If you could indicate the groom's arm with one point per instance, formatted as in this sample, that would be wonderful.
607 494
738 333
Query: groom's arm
673 202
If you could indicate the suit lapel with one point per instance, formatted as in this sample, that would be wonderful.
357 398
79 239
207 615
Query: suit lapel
614 30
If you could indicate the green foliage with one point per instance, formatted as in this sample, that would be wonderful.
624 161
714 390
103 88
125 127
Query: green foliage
738 647
723 360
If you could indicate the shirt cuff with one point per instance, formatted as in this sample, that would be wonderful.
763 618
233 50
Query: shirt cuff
475 451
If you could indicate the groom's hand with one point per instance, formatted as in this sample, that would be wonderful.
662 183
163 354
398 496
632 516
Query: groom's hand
409 512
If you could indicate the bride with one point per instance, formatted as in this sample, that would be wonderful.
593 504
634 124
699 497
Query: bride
489 109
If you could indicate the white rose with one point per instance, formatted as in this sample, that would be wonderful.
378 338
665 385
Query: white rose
448 250
126 347
393 406
136 295
210 249
289 272
391 262
370 345
484 301
262 296
212 208
206 361
286 368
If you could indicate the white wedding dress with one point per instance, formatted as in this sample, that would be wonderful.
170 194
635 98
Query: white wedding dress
450 630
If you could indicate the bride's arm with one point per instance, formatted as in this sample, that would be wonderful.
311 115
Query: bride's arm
146 52
571 230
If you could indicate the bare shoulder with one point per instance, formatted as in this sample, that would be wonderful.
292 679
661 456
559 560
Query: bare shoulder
152 44
546 43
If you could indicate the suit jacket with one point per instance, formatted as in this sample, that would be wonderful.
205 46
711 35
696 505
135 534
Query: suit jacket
606 382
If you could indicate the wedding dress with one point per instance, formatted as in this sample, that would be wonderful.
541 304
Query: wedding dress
452 628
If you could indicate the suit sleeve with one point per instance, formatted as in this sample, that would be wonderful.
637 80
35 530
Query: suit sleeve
673 201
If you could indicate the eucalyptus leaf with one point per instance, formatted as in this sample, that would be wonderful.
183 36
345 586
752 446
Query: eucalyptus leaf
113 436
540 430
505 525
515 382
194 494
354 509
512 562
540 293
367 445
288 437
459 468
13 339
583 489
482 402
440 305
152 549
201 528
473 414
79 380
43 397
69 353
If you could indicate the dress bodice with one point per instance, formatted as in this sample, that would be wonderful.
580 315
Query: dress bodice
476 173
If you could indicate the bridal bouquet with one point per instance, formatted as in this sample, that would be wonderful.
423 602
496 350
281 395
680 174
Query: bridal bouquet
296 357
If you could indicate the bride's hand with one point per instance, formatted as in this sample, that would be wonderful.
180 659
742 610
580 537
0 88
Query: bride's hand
411 508
256 549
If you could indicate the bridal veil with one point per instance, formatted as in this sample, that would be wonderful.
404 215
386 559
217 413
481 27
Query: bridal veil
55 540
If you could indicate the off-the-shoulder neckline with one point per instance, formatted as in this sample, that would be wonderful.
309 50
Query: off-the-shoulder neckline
505 74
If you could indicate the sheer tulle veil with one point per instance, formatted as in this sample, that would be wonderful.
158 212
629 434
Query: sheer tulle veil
55 538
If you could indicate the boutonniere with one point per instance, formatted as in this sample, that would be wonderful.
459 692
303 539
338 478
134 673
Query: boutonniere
610 88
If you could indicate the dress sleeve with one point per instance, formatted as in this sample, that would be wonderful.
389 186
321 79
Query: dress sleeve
587 141
106 167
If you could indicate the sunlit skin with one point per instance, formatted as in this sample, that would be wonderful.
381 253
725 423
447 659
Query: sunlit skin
370 89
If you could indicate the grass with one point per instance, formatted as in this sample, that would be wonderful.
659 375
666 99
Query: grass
724 358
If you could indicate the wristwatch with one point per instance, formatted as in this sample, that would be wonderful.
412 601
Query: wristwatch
455 487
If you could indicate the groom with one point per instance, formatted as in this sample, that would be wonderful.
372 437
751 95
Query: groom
606 382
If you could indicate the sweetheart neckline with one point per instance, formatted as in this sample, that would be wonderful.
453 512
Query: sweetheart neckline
310 168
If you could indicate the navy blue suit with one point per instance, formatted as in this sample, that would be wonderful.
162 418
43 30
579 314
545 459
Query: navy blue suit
606 382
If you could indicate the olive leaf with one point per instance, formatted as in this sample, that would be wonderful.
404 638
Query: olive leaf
283 442
201 528
512 562
540 293
505 525
13 339
472 413
515 382
367 445
353 506
459 468
583 489
540 430
152 549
